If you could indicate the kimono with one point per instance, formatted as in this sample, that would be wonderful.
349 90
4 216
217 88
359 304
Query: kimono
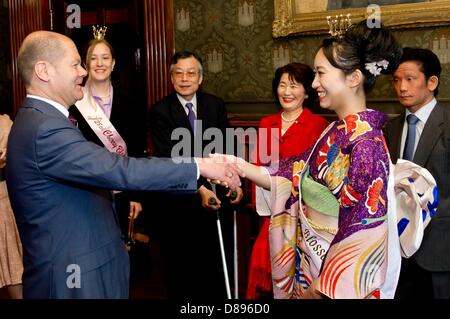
329 213
297 139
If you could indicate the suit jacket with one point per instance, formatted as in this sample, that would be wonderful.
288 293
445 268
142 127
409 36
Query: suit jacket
188 231
433 153
128 118
59 187
168 114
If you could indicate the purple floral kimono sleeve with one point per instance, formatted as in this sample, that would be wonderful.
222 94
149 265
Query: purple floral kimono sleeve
355 265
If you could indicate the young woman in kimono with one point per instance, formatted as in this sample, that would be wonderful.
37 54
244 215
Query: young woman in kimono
289 132
328 206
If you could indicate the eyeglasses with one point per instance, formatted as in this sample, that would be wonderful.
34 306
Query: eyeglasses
180 74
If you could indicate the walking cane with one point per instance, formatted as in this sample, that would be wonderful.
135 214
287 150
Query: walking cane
212 201
233 196
130 240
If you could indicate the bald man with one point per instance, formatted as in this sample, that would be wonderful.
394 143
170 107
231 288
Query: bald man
60 183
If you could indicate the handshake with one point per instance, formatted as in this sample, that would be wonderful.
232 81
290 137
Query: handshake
222 169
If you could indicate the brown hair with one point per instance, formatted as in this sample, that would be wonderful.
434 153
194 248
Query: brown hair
90 48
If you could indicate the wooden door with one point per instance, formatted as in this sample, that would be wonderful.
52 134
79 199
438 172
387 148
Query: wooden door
142 32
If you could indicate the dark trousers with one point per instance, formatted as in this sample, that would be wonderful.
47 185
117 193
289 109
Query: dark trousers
190 251
416 282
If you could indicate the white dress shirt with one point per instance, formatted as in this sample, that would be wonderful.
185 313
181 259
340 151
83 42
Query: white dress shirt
422 114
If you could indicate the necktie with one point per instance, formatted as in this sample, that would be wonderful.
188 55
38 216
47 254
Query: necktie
191 115
73 120
408 153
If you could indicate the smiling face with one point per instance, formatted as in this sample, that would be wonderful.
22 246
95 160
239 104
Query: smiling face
412 88
291 94
100 63
330 83
186 77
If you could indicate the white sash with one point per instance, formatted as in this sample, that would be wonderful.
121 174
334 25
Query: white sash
100 124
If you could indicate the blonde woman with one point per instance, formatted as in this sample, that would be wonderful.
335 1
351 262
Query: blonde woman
108 118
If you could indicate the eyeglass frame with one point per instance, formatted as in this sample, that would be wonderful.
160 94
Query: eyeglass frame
181 73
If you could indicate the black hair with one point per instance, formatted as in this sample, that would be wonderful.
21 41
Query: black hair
360 45
429 62
184 55
299 72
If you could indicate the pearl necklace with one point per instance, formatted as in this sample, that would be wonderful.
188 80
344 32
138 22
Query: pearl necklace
288 121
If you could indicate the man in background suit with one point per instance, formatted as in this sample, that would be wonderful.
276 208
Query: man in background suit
59 182
427 273
189 246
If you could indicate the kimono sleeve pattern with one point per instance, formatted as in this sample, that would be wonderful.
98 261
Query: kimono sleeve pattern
352 162
356 262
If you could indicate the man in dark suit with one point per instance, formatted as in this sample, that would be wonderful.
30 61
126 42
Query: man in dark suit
422 134
59 182
189 246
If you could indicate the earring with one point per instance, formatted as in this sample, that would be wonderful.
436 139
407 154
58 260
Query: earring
306 96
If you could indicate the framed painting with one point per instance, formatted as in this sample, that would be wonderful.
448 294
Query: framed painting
294 17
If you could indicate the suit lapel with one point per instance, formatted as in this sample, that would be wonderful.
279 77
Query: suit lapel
45 107
178 113
431 133
202 111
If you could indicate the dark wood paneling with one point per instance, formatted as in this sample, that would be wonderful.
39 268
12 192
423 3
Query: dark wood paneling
159 47
25 16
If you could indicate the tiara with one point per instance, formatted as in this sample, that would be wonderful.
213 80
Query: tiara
99 32
339 25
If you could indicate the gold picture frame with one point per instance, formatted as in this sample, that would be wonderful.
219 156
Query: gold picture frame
289 22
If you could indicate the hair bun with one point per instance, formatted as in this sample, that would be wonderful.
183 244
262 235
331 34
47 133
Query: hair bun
372 50
374 44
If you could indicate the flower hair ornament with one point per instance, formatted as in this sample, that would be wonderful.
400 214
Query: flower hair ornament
376 67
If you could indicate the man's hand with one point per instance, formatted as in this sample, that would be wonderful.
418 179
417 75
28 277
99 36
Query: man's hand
206 194
257 174
135 209
219 171
239 195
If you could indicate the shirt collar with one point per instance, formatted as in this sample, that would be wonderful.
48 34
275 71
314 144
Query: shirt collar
184 101
58 106
94 94
424 112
